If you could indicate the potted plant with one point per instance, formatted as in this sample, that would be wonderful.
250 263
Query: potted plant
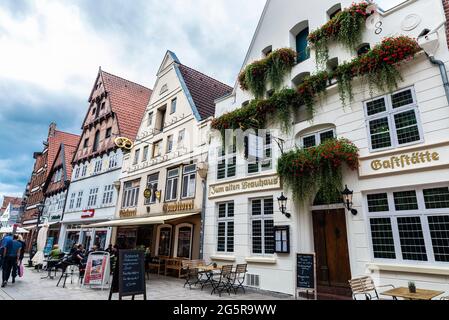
412 287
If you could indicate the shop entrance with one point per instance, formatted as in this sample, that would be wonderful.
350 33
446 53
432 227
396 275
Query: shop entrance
332 254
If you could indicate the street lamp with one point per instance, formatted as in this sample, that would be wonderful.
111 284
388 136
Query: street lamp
282 200
347 200
40 208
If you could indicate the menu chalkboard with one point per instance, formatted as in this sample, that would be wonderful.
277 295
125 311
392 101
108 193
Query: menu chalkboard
131 273
305 271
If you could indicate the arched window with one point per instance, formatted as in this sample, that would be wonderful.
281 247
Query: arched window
300 78
332 64
363 48
183 241
96 141
267 51
299 33
163 240
334 10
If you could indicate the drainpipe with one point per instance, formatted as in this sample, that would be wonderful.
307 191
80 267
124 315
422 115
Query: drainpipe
443 72
203 216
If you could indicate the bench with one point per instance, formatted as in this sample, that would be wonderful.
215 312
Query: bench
158 263
174 264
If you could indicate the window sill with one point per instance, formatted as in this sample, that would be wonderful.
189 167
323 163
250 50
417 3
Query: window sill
264 260
223 258
425 269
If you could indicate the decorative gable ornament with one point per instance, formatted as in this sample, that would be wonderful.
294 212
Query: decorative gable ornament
124 143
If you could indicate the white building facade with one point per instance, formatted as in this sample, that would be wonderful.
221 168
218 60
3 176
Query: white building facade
401 231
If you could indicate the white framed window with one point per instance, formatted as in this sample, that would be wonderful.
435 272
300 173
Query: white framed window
77 172
131 194
145 154
169 144
79 200
152 184
225 227
188 181
92 200
150 119
61 201
314 139
136 156
157 149
84 171
393 120
108 194
173 105
266 163
183 240
98 166
163 240
410 225
72 201
181 138
262 226
113 161
227 160
171 190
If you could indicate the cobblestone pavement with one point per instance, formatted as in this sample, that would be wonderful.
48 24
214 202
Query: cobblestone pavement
32 287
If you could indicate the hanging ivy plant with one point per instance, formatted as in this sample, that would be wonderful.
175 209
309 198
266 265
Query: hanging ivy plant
346 28
305 171
380 66
271 69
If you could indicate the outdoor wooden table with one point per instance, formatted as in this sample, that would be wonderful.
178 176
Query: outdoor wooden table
208 271
208 268
421 294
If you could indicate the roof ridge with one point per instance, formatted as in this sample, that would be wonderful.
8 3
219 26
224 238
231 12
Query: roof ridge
206 75
135 83
65 132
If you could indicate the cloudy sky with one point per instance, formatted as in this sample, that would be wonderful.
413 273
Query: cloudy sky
50 51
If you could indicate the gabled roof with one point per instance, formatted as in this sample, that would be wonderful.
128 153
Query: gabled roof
201 90
63 157
54 142
128 100
15 202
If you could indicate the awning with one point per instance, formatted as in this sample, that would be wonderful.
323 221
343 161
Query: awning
141 221
40 226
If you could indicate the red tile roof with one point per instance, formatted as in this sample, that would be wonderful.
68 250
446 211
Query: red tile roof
13 200
69 151
204 90
54 143
128 100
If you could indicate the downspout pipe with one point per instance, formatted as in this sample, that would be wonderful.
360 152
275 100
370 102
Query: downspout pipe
443 72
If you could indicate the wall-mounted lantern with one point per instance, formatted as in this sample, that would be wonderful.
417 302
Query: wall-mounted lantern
282 200
347 200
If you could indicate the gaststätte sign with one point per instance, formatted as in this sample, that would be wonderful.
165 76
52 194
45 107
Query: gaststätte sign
261 183
421 158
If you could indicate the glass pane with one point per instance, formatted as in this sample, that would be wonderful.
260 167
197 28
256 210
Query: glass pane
436 198
439 232
402 98
253 167
309 142
175 189
185 186
380 133
230 237
231 166
221 169
269 236
256 207
184 240
378 202
376 106
328 135
412 239
268 206
257 236
230 209
407 127
164 242
382 238
222 210
221 237
405 200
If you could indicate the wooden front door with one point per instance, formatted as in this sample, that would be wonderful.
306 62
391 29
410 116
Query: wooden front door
331 248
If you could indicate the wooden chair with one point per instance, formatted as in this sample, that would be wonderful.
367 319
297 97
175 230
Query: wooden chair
158 263
365 286
191 272
174 264
237 278
223 283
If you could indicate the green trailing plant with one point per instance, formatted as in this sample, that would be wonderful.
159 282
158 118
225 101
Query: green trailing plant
380 66
346 28
272 69
307 171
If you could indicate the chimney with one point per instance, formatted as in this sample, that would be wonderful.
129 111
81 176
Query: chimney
52 129
446 13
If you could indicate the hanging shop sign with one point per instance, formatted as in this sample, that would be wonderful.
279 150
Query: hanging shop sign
261 183
128 213
179 206
428 157
147 193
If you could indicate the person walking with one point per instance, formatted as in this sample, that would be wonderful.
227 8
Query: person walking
11 259
22 251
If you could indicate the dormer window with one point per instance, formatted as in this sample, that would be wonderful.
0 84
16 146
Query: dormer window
96 141
86 143
108 133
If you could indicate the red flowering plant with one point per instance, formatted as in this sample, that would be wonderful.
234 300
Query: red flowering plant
271 69
307 171
345 27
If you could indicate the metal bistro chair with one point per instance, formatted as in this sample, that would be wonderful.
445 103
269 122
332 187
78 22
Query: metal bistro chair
238 278
223 282
365 286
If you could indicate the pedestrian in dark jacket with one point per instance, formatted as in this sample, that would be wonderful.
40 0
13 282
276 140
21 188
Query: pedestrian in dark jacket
11 259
